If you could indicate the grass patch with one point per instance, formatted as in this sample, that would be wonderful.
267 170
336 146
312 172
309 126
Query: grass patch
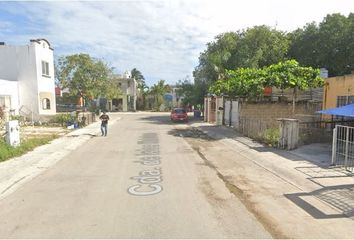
7 151
271 136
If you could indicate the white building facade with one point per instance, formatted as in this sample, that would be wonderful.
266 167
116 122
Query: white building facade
27 85
127 101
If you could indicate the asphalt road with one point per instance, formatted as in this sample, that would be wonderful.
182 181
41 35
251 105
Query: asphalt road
141 181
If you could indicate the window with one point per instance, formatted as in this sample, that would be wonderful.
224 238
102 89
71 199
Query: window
350 99
344 100
5 102
45 68
46 103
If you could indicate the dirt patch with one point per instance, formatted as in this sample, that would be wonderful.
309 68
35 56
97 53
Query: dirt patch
199 141
190 133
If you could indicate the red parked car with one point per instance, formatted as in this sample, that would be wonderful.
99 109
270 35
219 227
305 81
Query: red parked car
179 114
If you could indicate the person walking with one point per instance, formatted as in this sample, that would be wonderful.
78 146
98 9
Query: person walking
104 122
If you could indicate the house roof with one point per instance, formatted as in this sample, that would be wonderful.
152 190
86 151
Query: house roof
41 39
347 111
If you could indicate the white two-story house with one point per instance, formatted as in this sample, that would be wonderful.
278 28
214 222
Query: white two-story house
127 101
27 79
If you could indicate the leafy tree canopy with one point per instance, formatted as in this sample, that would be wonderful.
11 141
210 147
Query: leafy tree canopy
290 75
329 44
138 76
85 76
250 82
252 48
158 90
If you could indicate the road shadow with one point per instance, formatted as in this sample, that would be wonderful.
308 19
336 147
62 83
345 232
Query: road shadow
327 202
315 172
316 154
190 133
165 120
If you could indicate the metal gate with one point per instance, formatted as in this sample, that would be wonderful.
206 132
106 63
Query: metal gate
233 116
343 147
212 116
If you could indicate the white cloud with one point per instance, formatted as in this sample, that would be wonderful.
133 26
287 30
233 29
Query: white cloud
162 39
5 25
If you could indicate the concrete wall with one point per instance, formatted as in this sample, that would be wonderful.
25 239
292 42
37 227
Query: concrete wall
8 62
10 88
256 118
27 83
337 86
272 111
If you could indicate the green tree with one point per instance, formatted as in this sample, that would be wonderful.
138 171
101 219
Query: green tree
303 45
252 48
111 90
84 76
240 83
336 43
258 47
158 90
329 44
137 75
215 59
142 87
220 52
143 92
290 75
186 92
250 82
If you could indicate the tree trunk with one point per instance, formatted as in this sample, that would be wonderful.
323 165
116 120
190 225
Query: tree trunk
230 113
223 111
143 103
294 100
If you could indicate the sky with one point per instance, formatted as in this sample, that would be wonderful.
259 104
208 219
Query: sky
161 38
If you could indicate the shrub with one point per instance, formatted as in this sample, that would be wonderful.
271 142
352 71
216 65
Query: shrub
2 113
17 117
271 136
63 119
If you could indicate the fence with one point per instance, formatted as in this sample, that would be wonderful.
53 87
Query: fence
315 132
260 129
231 113
259 121
86 118
319 131
343 147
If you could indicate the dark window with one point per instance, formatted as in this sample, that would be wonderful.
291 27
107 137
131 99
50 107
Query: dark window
46 103
180 110
350 99
45 68
344 100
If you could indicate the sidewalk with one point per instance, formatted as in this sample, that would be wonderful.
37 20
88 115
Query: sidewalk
296 194
17 171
